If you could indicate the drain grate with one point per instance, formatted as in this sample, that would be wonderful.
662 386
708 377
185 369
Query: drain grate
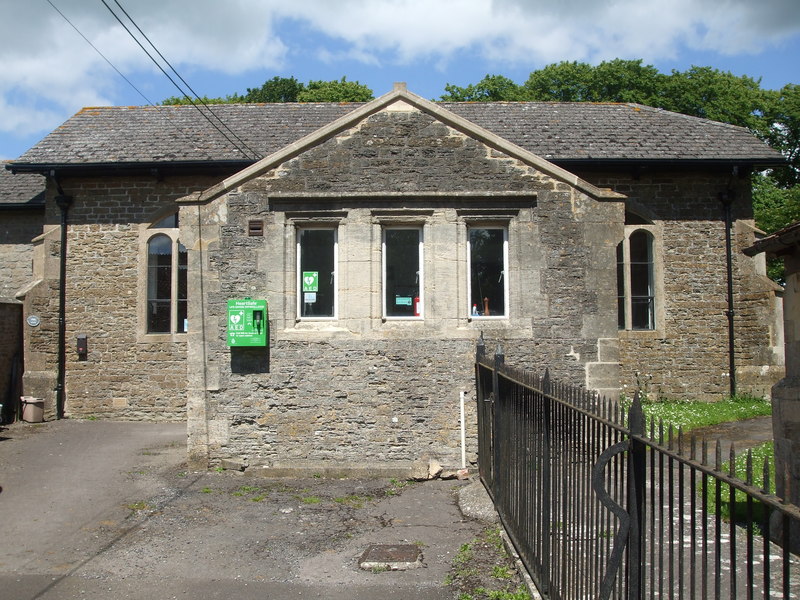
392 557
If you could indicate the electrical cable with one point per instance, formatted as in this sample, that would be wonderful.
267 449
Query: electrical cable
183 132
186 83
252 155
130 83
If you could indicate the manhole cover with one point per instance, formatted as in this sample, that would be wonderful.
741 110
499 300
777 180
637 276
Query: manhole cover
392 557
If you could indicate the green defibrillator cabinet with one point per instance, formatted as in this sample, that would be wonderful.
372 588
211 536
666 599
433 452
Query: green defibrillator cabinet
248 323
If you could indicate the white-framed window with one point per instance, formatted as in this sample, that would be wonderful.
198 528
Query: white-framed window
166 305
402 268
317 294
487 264
636 285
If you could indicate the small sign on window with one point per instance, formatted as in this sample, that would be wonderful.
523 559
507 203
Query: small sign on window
311 281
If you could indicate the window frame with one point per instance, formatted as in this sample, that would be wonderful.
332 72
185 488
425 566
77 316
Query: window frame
178 277
420 272
299 229
504 227
626 294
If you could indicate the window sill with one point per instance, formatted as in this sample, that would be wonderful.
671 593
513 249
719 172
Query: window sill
156 338
402 319
640 334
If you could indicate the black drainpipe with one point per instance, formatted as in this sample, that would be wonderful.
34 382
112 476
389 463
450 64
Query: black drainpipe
63 202
727 200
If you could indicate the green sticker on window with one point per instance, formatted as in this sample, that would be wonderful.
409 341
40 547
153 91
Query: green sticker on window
310 281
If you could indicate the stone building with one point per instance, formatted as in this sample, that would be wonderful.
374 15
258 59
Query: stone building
21 220
586 238
785 244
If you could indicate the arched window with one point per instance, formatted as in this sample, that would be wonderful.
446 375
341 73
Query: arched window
167 270
636 297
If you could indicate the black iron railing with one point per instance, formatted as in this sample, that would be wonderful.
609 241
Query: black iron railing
599 508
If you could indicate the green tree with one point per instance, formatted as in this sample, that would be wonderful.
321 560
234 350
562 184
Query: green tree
562 82
335 91
611 81
626 81
277 89
774 208
783 132
183 100
492 88
288 89
716 95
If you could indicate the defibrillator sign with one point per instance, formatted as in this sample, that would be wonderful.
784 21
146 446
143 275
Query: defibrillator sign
310 281
247 323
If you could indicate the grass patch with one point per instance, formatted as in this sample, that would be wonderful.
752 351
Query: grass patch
353 500
243 490
380 569
138 506
693 415
482 570
760 453
481 593
310 500
256 493
501 572
396 486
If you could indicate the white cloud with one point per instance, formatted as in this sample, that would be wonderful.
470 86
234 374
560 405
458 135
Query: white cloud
533 31
46 61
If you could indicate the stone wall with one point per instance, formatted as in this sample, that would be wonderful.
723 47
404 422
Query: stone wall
687 355
786 401
127 373
17 229
362 387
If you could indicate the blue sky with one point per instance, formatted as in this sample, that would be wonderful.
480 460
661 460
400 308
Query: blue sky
49 72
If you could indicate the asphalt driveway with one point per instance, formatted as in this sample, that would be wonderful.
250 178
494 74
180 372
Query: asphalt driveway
99 509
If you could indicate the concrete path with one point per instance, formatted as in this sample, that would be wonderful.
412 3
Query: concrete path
97 510
742 434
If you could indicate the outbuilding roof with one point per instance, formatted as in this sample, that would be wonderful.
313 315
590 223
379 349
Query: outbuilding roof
21 191
556 131
778 243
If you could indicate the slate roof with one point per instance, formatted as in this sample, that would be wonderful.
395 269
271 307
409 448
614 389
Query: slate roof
778 243
21 191
555 131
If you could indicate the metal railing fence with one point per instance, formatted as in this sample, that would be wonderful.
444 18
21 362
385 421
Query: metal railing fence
598 508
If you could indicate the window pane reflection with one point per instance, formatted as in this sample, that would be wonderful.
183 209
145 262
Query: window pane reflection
487 272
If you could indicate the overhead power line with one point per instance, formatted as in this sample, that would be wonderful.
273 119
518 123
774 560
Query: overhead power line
190 98
130 83
244 148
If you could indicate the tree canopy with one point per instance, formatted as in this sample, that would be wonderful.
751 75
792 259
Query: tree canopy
288 89
335 91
